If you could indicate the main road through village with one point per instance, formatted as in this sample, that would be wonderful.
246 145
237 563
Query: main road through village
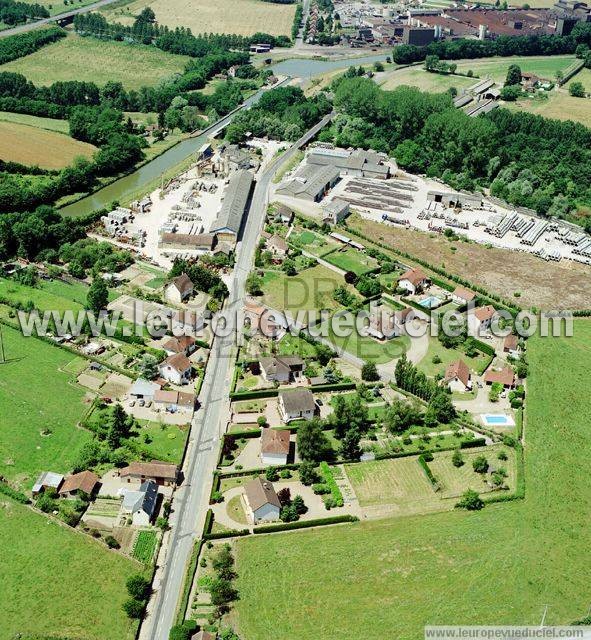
190 501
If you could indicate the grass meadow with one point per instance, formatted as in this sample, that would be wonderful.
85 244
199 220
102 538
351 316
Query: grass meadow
92 60
502 565
39 147
37 396
243 17
57 582
351 260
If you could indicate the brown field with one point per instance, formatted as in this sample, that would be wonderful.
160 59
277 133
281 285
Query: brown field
563 285
32 146
244 17
559 105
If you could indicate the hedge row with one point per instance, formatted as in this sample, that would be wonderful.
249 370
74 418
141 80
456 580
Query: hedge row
485 348
331 483
470 444
335 386
425 467
255 472
233 533
188 582
305 524
254 395
17 496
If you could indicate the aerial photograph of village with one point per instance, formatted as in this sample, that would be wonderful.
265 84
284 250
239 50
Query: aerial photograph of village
295 319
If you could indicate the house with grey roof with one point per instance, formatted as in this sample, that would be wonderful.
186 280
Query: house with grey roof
358 162
296 404
47 480
229 219
261 501
142 504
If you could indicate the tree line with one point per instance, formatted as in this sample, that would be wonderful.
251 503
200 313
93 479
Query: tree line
12 12
531 45
23 44
525 159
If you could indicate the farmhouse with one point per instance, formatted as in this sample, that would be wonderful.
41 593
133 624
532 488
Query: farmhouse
505 377
481 318
229 219
457 376
179 289
86 482
310 182
162 473
141 504
462 296
182 344
335 211
413 280
176 369
275 446
47 480
143 389
261 501
282 369
296 404
174 401
277 246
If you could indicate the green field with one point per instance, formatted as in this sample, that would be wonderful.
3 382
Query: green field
294 345
43 561
36 396
167 441
312 242
558 105
51 124
98 61
390 577
351 260
308 290
145 546
436 349
47 295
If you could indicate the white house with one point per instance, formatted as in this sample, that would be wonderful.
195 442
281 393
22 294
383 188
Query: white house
511 346
187 323
261 501
277 246
141 504
176 369
179 289
144 389
457 376
282 369
335 211
413 280
174 401
480 319
462 296
275 446
385 324
296 404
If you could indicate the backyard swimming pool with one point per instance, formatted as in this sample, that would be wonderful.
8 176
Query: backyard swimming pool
432 302
497 420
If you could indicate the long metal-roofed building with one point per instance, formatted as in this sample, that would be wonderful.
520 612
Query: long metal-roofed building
310 182
229 219
358 162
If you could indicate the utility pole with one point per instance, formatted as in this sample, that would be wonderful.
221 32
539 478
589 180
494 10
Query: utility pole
2 352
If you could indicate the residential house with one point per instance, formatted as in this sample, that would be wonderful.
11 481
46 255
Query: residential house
174 401
179 289
385 324
277 246
296 404
141 504
457 376
261 501
176 369
505 377
480 319
260 319
275 445
47 480
162 473
282 369
511 346
413 280
285 214
462 296
85 481
182 344
143 389
203 635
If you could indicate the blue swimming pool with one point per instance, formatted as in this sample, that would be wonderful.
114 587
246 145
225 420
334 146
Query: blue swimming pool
497 420
432 302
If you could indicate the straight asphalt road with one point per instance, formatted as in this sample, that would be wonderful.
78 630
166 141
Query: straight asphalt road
191 500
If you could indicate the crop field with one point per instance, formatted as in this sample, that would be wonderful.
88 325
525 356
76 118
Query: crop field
352 260
38 433
41 561
423 80
559 105
39 147
51 124
55 8
543 66
310 289
244 17
92 60
545 285
388 578
144 546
